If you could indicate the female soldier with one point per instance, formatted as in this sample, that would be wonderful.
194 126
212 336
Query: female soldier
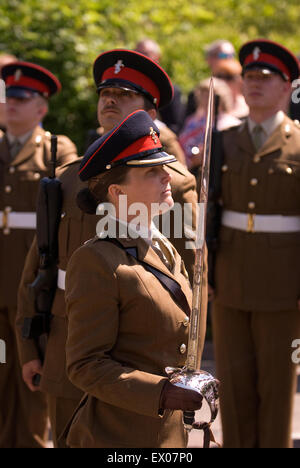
127 302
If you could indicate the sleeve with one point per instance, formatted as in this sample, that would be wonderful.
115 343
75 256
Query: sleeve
66 150
171 144
27 349
93 306
184 194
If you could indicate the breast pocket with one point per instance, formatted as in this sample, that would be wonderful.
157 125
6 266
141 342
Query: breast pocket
28 184
284 186
231 181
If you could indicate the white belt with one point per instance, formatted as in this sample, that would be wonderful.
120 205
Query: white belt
17 220
61 279
260 223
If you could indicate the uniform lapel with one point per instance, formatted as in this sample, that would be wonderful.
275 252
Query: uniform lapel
4 150
244 140
141 250
146 254
277 139
30 146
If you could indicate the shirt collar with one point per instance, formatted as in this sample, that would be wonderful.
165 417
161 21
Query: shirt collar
269 125
21 138
140 231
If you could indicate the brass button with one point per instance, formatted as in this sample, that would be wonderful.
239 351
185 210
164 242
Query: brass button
253 182
289 170
251 205
12 170
271 171
186 321
8 189
182 348
256 159
224 168
6 231
36 176
38 140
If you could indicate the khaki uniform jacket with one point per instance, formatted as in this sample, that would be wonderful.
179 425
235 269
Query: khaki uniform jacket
19 184
124 329
260 271
171 144
75 229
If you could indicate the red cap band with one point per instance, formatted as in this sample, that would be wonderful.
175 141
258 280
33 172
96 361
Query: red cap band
26 82
268 59
139 146
136 77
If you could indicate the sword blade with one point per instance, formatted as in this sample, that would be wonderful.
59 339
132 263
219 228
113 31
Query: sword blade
193 358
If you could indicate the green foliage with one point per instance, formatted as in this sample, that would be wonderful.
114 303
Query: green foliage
66 37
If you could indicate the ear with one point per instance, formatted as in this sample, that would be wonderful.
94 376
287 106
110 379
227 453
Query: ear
152 113
288 87
42 110
114 191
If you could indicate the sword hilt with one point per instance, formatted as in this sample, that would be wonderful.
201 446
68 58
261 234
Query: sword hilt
188 419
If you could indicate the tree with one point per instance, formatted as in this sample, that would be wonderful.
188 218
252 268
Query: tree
67 36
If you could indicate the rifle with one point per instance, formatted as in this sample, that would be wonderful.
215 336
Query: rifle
214 209
42 290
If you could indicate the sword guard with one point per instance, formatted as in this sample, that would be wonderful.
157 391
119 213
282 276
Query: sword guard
199 381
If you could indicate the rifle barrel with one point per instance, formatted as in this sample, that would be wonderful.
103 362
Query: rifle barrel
53 155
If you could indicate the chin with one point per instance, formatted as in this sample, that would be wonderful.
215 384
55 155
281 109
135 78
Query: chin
109 122
169 202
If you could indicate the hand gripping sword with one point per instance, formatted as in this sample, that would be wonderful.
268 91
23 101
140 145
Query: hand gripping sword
190 376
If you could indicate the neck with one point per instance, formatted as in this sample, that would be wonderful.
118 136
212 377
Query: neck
260 115
143 221
19 130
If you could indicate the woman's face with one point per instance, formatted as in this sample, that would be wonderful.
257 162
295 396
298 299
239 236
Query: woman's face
149 186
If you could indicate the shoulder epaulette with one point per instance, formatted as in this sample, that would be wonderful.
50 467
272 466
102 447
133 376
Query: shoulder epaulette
297 123
71 163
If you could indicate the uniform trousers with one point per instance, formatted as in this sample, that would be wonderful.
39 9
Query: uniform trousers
253 351
23 414
60 413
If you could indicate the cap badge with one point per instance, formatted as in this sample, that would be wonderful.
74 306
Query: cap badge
153 134
118 66
18 74
256 53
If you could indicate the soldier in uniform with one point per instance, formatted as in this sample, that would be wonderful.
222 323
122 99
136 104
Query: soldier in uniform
4 60
256 317
143 84
133 323
24 159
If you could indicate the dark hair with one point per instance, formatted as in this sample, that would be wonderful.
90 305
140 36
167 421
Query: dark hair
148 105
89 198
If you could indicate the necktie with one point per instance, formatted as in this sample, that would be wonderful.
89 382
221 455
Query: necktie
258 136
15 148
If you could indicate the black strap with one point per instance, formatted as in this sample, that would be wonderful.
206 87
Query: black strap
170 284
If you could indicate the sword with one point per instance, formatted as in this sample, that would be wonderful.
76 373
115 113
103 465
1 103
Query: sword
190 376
